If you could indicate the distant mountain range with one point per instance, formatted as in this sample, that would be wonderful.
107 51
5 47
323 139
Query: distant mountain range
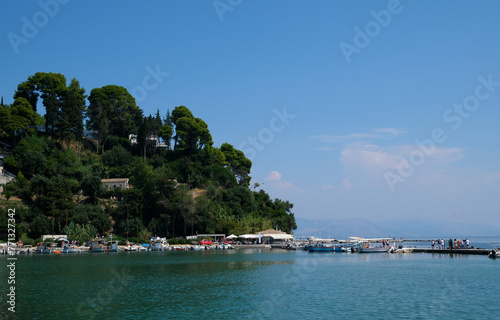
360 227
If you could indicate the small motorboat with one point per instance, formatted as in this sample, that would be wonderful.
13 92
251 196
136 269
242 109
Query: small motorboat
97 246
45 247
493 254
113 246
131 248
366 247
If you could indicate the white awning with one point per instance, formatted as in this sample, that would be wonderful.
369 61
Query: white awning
279 236
248 236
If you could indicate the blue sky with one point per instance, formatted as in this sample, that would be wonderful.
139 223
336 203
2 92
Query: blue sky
402 124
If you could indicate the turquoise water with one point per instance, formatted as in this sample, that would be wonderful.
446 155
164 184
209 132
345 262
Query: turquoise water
253 284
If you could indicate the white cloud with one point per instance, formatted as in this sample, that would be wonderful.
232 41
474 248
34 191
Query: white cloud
324 149
369 159
328 186
443 156
344 138
346 184
273 176
494 176
275 180
366 164
378 133
393 131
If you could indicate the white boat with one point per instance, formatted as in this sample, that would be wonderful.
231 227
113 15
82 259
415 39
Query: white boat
224 246
97 246
494 253
157 246
131 248
113 246
404 250
347 249
366 246
72 249
45 247
376 249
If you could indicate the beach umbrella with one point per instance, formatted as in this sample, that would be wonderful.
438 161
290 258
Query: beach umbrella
62 239
232 236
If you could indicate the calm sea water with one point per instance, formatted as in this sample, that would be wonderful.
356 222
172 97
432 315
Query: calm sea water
253 284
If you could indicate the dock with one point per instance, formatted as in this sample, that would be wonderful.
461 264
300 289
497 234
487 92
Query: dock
453 251
252 246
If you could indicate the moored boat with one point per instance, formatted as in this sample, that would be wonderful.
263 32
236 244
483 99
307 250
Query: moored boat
113 246
330 247
157 246
97 246
70 249
375 249
319 247
45 248
366 247
27 249
493 254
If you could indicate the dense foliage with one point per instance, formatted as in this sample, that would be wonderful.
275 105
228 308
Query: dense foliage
180 184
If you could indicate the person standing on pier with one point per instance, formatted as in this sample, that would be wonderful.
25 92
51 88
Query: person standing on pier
467 242
450 243
433 244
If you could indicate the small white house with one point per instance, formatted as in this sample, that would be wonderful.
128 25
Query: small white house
115 183
132 138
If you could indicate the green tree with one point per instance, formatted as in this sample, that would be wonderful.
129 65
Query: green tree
15 117
156 125
191 133
51 87
91 186
118 162
22 110
180 112
93 215
167 130
163 181
39 225
238 163
70 121
81 233
32 162
166 133
239 200
181 206
144 133
144 235
116 157
28 91
54 197
113 110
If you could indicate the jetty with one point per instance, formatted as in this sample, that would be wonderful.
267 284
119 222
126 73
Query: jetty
252 246
478 251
